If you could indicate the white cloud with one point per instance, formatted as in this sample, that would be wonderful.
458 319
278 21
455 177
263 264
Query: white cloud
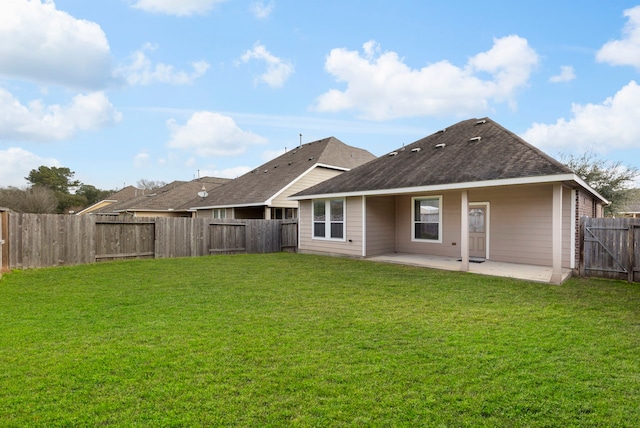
141 160
211 134
566 75
278 71
177 7
142 72
15 164
262 10
49 46
381 86
627 50
612 124
39 122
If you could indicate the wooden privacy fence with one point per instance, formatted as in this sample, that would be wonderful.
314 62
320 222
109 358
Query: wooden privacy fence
40 240
610 248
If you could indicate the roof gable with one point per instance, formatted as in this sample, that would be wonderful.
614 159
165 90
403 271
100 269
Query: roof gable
262 183
473 150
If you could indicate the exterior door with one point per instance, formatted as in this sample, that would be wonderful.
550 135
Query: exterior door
478 231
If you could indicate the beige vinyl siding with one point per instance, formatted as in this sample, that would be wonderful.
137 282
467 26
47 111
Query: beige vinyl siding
313 177
352 246
450 245
521 223
380 225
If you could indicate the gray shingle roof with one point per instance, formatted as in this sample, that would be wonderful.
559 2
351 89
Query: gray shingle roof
265 181
446 157
167 198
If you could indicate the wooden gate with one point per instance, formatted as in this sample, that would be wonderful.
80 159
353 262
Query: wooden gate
610 248
124 239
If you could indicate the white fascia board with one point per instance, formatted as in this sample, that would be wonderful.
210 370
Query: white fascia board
458 186
581 182
298 178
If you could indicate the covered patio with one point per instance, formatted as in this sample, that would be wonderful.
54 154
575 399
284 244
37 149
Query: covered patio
486 267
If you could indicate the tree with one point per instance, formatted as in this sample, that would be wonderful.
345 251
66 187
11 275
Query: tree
91 194
611 179
150 184
56 179
37 200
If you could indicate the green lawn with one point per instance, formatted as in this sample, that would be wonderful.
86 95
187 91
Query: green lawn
298 340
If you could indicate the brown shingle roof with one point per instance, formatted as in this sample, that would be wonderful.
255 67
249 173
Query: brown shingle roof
167 198
446 157
265 181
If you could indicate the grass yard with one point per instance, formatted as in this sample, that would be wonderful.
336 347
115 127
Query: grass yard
299 340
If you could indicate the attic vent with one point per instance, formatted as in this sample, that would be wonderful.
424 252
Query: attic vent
311 158
416 150
393 154
476 139
481 122
441 145
441 131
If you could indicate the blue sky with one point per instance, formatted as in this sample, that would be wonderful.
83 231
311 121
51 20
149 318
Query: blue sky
123 90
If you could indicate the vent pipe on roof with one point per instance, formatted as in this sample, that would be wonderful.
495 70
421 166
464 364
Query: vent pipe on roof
300 141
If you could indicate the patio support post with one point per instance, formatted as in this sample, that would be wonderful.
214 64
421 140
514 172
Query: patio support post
464 231
556 233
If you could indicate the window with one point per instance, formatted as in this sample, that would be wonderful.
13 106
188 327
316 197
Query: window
220 213
427 219
328 219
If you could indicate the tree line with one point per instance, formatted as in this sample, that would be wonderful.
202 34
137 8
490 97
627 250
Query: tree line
54 190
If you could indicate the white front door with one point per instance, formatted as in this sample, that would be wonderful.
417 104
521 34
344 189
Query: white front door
478 220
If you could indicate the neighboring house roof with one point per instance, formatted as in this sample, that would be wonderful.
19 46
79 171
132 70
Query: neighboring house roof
124 194
264 182
472 151
170 197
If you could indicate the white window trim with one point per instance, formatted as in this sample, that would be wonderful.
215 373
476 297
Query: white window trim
327 222
413 219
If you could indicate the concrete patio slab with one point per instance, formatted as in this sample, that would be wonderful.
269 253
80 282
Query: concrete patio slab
488 267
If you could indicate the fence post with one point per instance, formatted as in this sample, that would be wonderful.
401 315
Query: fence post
631 253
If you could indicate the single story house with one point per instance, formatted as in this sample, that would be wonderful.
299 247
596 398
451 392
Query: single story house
263 192
166 201
475 191
124 194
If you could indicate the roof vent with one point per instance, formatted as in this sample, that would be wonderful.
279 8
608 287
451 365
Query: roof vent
416 150
441 131
476 139
393 154
481 122
440 146
311 158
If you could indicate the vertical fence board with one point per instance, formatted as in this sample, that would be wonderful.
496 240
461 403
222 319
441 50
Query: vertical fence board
610 248
40 240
